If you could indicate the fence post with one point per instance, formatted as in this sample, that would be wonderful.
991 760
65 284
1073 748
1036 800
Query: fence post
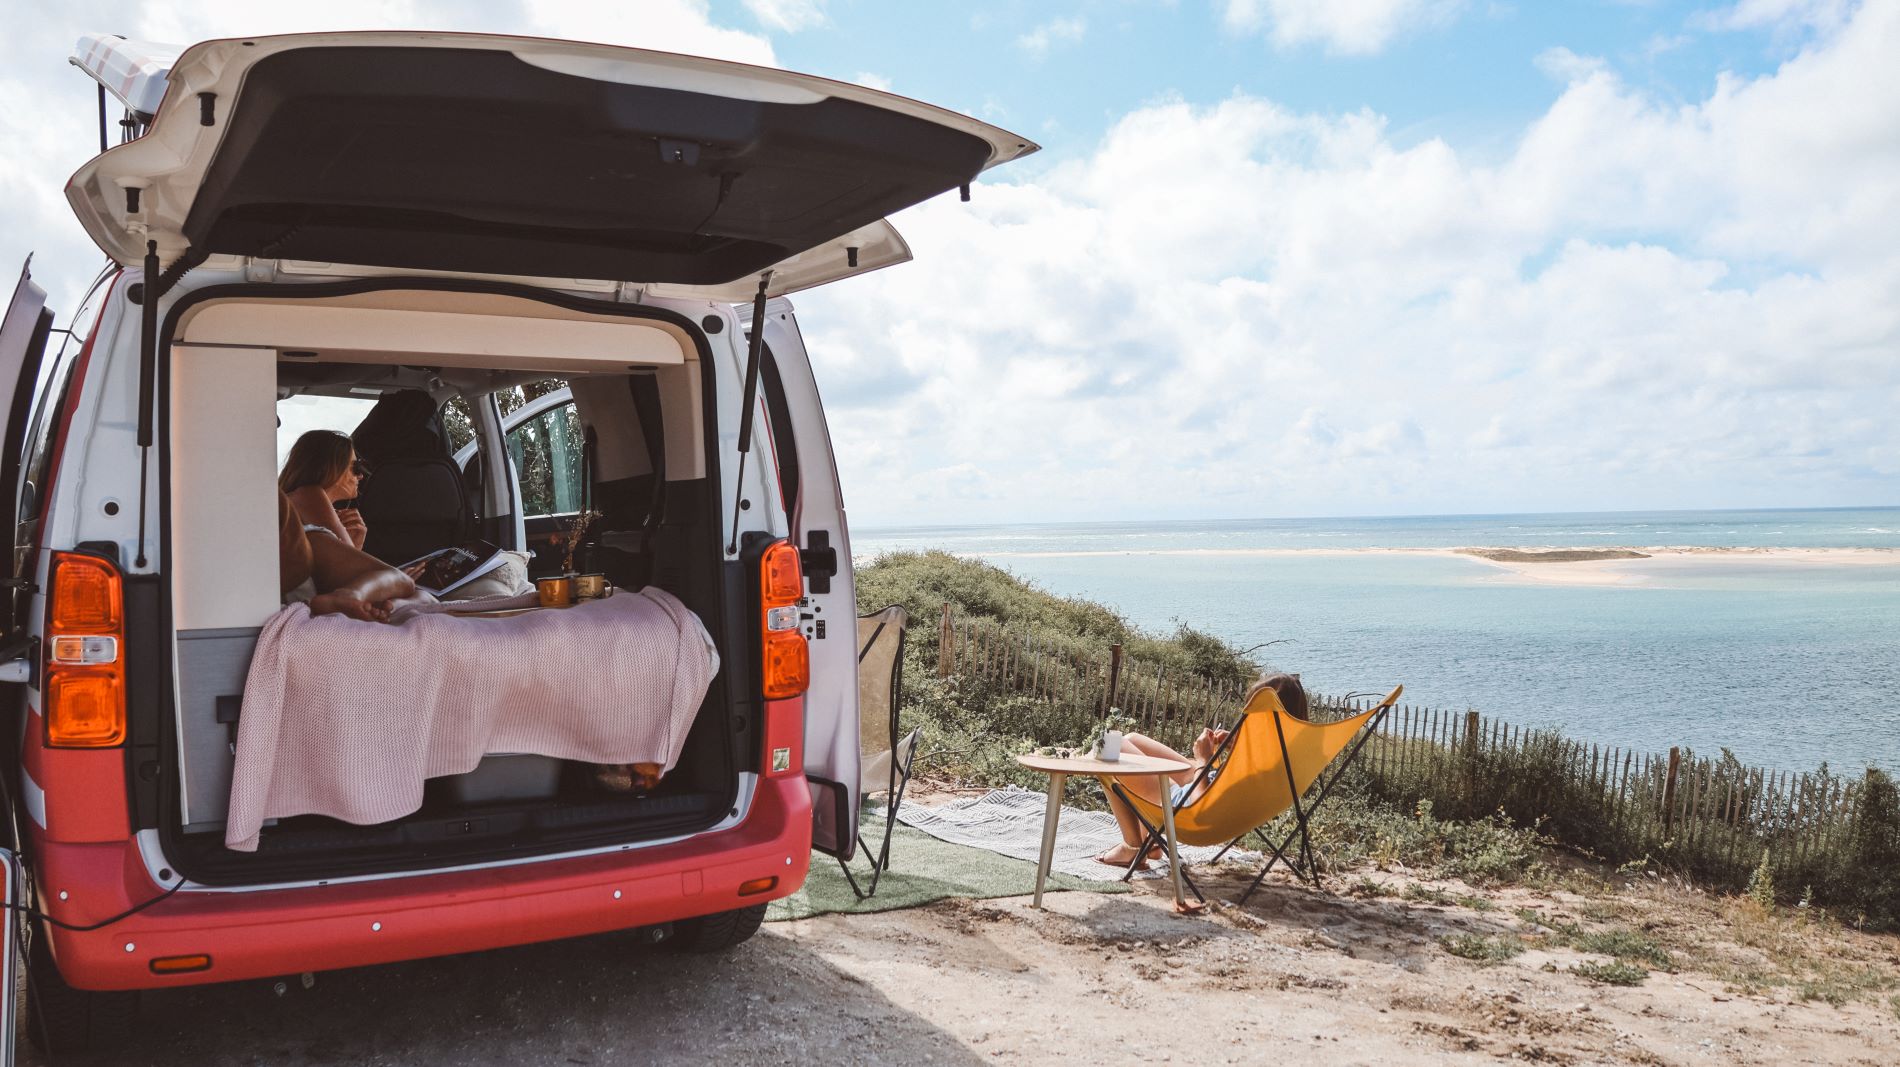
946 644
1471 734
1669 788
1114 675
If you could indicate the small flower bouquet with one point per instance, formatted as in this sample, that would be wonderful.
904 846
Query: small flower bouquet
574 531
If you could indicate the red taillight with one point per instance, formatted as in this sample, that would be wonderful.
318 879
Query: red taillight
84 692
786 666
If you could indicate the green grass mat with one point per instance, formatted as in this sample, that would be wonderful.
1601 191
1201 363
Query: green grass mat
923 870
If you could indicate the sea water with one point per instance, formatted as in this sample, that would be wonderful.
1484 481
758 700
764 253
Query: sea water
1786 664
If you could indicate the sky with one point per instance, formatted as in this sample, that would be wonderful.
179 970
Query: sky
1283 257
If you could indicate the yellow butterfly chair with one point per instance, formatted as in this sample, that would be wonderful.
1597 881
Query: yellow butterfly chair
1268 762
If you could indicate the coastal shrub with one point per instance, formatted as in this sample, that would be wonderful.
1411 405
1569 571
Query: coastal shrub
1482 949
1613 973
1761 885
1624 944
1875 881
1353 828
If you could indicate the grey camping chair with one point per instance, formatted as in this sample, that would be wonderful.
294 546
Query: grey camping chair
887 757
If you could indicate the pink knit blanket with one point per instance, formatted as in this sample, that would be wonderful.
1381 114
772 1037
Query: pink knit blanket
346 719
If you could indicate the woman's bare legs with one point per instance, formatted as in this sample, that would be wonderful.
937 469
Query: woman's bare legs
1148 788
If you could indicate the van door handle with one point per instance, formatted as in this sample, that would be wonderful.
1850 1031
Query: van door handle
819 560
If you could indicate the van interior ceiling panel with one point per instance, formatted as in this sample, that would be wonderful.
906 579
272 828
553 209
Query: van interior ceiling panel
357 155
221 434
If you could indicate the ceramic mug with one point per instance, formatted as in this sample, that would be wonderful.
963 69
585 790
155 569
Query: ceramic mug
1111 746
555 592
592 586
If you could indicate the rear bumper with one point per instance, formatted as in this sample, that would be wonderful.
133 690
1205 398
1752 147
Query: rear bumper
319 928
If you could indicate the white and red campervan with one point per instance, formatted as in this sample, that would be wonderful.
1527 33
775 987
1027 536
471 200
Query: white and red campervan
358 215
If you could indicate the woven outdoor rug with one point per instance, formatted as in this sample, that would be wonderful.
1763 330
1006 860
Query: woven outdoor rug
1009 823
923 870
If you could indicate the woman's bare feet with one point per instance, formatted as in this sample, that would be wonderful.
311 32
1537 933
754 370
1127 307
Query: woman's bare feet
1121 854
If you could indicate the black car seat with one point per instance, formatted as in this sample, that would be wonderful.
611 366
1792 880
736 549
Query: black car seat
414 500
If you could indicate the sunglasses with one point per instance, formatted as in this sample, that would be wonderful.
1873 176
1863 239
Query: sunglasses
360 469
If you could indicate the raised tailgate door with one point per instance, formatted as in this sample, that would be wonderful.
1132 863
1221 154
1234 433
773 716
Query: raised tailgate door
508 155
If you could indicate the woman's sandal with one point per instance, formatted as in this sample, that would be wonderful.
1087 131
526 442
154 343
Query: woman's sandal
1154 853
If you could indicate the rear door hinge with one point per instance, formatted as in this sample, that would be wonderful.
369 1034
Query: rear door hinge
630 292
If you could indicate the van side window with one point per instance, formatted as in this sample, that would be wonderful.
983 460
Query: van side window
37 456
42 427
546 450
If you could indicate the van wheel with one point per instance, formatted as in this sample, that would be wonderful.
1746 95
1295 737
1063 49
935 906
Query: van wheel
63 1021
716 933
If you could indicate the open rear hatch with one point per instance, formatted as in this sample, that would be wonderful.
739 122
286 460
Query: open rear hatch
517 156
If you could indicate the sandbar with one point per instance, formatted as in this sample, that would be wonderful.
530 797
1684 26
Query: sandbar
1621 565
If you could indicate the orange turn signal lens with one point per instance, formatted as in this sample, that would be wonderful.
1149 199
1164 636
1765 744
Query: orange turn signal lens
180 964
85 709
757 886
85 596
781 579
787 665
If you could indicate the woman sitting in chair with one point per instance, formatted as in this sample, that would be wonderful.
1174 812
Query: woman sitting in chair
1189 784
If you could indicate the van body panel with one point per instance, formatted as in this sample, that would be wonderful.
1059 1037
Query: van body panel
223 434
392 335
551 159
84 789
283 931
212 665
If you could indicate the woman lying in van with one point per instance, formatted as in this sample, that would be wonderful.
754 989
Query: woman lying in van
321 471
335 577
1185 786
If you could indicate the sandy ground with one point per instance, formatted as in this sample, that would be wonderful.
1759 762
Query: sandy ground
1355 975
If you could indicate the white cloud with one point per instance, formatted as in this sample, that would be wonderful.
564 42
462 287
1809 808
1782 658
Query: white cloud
1564 65
1244 310
1781 14
1348 27
872 81
1038 41
788 15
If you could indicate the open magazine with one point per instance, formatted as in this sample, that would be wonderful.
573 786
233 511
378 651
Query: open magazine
447 569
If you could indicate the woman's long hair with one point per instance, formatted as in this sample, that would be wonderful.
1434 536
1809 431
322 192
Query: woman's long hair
319 458
1288 688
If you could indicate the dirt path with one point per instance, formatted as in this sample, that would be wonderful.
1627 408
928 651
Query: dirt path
1360 975
1327 980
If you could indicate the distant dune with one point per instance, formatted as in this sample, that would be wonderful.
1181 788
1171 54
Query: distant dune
1555 555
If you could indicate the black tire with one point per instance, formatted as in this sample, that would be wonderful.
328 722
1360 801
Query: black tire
716 933
63 1021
